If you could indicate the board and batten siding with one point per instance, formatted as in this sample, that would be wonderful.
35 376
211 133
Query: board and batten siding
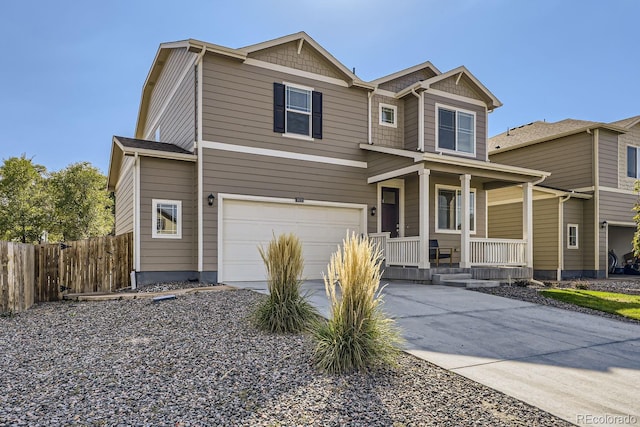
569 159
226 172
430 129
573 211
238 109
173 68
608 158
124 198
168 180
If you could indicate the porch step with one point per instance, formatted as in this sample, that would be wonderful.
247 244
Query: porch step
471 283
438 279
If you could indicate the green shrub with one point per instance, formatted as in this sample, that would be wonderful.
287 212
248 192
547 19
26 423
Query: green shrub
285 310
358 334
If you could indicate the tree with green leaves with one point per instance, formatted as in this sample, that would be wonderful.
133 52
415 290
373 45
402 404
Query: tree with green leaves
24 200
82 207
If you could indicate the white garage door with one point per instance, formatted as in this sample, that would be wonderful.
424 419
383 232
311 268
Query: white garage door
248 224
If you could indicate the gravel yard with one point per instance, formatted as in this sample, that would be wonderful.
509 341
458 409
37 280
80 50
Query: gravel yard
196 361
530 293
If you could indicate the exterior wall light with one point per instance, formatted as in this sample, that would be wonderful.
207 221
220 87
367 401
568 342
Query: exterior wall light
373 210
604 224
211 198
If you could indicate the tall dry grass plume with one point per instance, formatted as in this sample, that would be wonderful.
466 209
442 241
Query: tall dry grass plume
358 334
285 310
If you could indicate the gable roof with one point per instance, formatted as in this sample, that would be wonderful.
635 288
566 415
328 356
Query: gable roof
627 123
492 101
406 71
123 146
540 131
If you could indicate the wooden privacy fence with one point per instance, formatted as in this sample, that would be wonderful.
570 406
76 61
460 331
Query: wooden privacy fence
16 277
41 273
99 264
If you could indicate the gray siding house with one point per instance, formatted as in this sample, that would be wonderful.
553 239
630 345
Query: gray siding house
585 208
233 146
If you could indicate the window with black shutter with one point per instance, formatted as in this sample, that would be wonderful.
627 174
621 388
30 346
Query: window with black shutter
297 111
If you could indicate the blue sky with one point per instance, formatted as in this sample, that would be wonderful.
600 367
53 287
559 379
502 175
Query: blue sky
72 71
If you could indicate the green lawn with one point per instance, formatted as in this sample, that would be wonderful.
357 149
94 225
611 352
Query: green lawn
622 304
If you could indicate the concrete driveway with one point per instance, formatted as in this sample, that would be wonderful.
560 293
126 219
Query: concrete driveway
582 368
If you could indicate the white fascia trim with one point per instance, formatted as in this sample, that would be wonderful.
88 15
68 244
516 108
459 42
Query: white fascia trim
455 97
617 190
295 72
519 200
621 224
383 92
395 173
162 154
283 154
583 189
168 99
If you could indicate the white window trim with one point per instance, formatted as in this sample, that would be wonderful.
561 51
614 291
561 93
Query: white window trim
286 110
474 207
154 219
626 165
391 183
395 115
475 133
156 134
577 245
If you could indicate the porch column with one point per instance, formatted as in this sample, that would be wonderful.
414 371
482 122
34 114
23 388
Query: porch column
423 178
527 221
465 215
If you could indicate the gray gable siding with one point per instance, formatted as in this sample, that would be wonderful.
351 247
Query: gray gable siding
238 109
124 199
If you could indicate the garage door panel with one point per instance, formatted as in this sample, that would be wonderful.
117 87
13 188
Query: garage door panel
249 224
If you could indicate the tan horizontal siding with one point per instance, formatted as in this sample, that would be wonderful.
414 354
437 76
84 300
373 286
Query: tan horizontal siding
174 66
124 199
569 160
177 124
505 221
608 158
379 163
238 109
631 138
226 172
412 205
410 122
617 206
430 129
545 234
588 235
171 180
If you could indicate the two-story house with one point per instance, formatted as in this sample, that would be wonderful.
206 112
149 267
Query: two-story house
233 146
585 208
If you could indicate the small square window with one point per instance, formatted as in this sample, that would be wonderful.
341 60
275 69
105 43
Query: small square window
388 115
572 236
166 219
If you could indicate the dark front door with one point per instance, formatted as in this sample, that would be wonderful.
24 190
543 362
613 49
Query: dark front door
391 211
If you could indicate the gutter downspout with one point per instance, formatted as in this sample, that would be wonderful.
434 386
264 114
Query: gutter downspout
136 220
420 118
199 164
596 202
561 236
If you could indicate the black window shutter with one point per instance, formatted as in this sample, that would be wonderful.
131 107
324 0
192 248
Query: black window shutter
316 119
278 107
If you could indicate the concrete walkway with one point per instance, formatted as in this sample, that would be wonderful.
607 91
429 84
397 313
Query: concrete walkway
582 368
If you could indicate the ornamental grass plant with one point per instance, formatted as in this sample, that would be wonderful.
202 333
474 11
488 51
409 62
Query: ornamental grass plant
358 334
285 310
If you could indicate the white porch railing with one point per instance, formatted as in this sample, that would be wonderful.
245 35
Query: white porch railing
498 252
405 251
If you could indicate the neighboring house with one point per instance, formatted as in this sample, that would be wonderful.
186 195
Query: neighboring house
233 146
586 208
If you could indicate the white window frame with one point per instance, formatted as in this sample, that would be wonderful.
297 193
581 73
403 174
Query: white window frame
473 207
637 162
475 133
286 133
569 245
154 219
381 107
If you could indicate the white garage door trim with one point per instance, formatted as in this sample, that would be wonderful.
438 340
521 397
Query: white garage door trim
222 197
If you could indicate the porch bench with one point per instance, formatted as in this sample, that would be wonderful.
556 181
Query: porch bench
437 253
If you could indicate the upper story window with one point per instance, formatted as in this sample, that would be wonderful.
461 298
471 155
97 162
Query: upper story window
166 218
388 115
449 209
633 160
456 130
297 111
